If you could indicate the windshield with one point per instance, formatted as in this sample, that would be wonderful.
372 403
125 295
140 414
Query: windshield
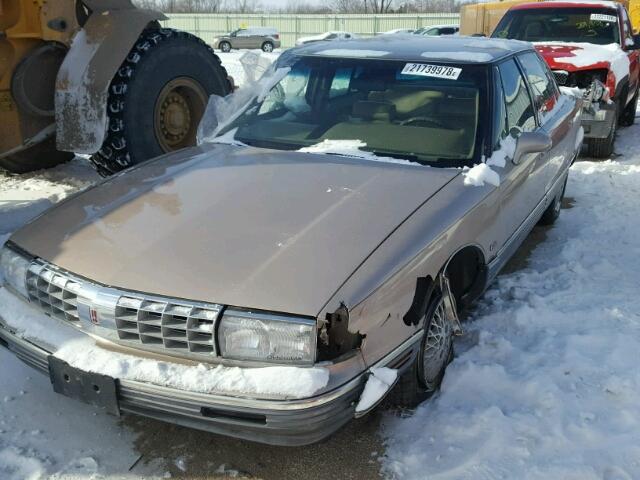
391 108
591 25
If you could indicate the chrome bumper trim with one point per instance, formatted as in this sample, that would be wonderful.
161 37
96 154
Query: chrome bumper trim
278 422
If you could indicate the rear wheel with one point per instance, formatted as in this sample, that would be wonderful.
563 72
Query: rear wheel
436 352
603 147
552 212
158 97
267 47
628 116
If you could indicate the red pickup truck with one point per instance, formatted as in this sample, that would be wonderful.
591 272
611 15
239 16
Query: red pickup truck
588 45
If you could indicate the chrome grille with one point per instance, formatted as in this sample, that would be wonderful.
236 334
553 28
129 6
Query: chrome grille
561 76
57 295
177 326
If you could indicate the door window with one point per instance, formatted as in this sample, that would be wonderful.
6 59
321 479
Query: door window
520 112
500 124
543 86
627 31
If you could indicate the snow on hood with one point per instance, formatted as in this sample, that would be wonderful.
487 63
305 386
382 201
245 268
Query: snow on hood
81 351
351 148
581 55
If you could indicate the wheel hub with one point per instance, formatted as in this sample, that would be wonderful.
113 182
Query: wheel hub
179 107
437 347
175 118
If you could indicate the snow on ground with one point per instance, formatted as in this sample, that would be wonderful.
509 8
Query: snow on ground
546 383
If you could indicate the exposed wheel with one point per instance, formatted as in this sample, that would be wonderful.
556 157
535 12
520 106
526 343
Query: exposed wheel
157 98
267 47
628 116
436 352
42 155
225 47
603 147
552 212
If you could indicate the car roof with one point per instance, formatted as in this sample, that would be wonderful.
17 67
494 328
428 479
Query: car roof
409 47
566 4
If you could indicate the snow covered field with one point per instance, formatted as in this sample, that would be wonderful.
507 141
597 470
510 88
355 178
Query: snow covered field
545 383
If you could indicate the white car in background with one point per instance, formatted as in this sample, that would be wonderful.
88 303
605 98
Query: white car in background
397 30
328 36
437 30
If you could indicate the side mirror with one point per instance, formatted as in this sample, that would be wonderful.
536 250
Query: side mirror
636 43
531 142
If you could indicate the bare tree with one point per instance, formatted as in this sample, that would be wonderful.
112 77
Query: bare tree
245 6
350 6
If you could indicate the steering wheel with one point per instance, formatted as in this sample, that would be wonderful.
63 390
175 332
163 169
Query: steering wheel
426 121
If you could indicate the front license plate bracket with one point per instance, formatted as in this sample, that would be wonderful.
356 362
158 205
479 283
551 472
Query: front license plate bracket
92 388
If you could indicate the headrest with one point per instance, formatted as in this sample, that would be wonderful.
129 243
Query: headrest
377 111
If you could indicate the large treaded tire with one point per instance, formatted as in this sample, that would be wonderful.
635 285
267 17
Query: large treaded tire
39 156
603 147
158 57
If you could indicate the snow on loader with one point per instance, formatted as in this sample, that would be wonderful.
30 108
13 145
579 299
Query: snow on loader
98 77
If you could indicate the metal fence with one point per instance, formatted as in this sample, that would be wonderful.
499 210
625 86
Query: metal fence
290 26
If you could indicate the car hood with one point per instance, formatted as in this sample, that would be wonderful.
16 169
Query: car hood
239 226
574 57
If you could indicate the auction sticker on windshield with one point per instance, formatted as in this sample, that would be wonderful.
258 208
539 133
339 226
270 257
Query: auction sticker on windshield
426 70
601 17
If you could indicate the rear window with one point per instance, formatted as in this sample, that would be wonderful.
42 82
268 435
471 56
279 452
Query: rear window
424 115
597 25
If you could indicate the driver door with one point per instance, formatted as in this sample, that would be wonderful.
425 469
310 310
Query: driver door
522 182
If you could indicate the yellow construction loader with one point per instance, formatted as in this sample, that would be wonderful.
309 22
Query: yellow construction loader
482 18
99 77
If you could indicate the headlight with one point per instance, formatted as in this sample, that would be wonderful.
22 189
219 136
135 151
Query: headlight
267 338
13 270
597 90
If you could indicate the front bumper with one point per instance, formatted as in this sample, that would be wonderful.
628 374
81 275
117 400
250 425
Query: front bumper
598 120
275 422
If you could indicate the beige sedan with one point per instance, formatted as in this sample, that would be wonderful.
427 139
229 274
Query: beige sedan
313 257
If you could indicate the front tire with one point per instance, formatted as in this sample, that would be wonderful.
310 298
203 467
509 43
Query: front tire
158 97
436 352
628 116
225 47
603 147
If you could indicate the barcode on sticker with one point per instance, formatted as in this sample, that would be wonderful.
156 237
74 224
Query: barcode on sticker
601 17
426 70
